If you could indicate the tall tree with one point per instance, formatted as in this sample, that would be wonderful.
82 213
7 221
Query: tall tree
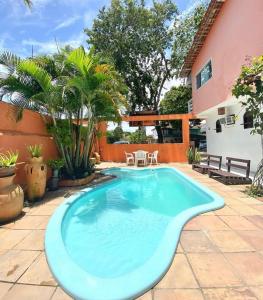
175 101
185 29
138 39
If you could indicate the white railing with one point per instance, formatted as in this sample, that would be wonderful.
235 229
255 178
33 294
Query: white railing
190 105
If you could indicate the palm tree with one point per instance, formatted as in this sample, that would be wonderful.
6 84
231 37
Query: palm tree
75 90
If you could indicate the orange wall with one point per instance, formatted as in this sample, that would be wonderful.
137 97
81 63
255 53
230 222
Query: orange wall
167 152
18 135
236 34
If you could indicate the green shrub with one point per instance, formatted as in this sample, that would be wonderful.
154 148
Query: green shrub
9 159
56 164
35 150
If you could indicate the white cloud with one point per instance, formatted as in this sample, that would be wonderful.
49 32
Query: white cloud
4 38
67 22
48 47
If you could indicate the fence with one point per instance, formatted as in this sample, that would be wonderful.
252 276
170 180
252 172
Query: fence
18 135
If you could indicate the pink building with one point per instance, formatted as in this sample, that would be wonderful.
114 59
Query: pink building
230 34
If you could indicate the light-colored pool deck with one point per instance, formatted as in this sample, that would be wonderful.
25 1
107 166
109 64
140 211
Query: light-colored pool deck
220 254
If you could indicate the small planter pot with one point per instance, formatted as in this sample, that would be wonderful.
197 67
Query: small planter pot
36 177
4 172
54 180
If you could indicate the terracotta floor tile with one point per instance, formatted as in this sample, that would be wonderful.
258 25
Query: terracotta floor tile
4 287
209 213
212 223
56 201
193 224
9 238
60 295
179 275
28 222
146 296
225 211
243 293
43 210
175 294
258 291
212 270
259 208
3 251
38 273
229 201
29 292
196 241
179 248
14 263
238 223
254 238
256 220
44 223
244 210
250 201
229 241
2 230
249 266
33 241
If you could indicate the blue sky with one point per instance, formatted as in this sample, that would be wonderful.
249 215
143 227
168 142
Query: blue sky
63 20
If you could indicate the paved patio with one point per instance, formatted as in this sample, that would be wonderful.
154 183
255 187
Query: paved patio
220 254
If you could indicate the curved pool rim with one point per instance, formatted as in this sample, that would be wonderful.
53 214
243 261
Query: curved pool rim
81 285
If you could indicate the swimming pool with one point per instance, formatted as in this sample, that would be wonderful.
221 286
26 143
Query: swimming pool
117 240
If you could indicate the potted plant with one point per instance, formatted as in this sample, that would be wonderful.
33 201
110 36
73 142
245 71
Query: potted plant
190 155
11 195
55 165
36 173
8 163
197 156
36 153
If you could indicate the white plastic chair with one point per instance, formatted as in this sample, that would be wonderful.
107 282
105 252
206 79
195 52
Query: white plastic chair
153 157
129 158
141 157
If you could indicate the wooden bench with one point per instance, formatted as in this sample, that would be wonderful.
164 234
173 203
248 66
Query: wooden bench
227 177
206 166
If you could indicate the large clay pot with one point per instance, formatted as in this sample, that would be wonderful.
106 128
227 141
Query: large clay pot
36 177
11 199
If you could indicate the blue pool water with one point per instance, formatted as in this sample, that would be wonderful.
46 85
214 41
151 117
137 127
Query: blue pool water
124 233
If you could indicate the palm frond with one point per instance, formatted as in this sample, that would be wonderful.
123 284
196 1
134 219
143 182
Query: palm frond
28 3
37 73
9 60
80 60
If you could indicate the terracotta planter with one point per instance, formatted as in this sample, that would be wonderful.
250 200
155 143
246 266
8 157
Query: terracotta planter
6 181
11 199
77 182
36 160
4 172
36 177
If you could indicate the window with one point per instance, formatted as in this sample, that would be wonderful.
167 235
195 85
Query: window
248 120
218 126
204 75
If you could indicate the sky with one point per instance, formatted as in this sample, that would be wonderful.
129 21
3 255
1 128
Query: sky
50 20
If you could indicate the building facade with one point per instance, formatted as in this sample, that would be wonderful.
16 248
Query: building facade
230 35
